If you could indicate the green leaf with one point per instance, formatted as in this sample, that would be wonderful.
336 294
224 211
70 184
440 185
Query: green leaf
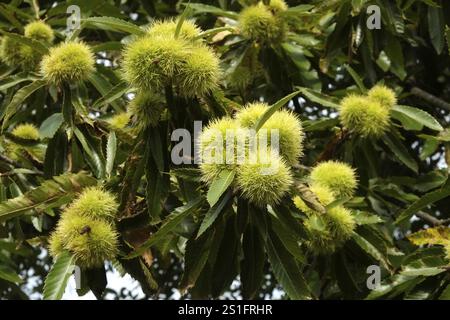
95 162
362 218
108 46
252 264
34 44
414 118
289 240
289 222
191 174
424 271
111 149
308 74
67 106
8 12
8 274
212 32
204 8
447 34
19 98
437 235
337 202
371 250
214 212
13 80
112 95
170 223
383 61
56 280
274 108
156 148
104 87
344 275
436 25
430 147
423 263
184 15
320 98
50 193
50 125
96 278
113 24
226 261
286 270
57 150
302 8
445 295
394 51
320 125
155 190
423 202
195 258
358 80
400 151
399 282
219 186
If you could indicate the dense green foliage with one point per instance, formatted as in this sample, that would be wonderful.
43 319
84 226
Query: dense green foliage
87 177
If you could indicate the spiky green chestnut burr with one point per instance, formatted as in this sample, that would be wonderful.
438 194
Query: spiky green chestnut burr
339 177
212 140
39 30
119 121
249 115
264 182
364 116
10 52
323 194
30 58
384 95
68 62
328 232
278 6
200 73
22 153
341 223
259 23
89 240
189 30
95 203
241 78
320 240
14 54
56 242
151 63
447 251
289 128
26 131
145 109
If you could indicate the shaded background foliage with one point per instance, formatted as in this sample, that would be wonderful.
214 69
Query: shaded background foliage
328 53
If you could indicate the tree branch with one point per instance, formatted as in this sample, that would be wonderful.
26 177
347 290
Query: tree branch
433 220
10 161
438 102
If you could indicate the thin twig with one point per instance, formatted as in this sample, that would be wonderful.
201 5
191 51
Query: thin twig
36 8
16 165
438 102
433 220
10 161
